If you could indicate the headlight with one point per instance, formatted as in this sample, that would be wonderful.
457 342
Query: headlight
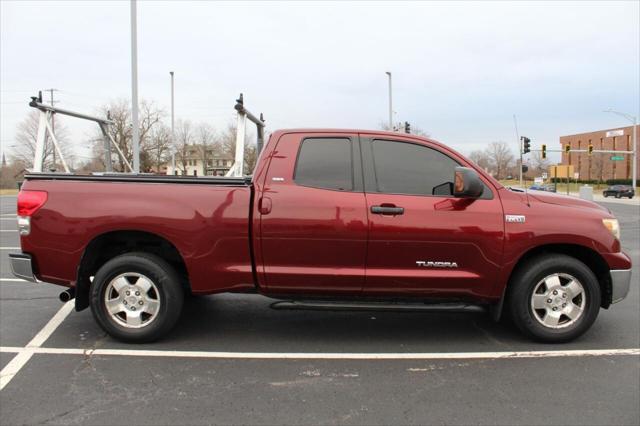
613 226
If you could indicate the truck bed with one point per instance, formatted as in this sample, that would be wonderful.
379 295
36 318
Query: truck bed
206 220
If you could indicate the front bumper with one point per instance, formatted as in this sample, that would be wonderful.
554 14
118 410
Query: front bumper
22 267
620 283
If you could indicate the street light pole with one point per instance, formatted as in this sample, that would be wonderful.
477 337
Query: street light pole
634 155
390 103
173 154
134 89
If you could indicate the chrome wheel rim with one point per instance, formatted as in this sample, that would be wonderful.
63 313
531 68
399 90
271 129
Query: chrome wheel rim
558 301
132 300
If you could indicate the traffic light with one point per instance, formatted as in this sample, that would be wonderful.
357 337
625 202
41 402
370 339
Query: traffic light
567 148
526 145
525 168
544 151
590 149
407 127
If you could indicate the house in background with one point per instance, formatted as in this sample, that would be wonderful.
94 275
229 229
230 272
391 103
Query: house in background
198 162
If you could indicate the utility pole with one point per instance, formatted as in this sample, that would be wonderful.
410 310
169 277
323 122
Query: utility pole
634 145
390 103
52 123
173 153
515 123
134 89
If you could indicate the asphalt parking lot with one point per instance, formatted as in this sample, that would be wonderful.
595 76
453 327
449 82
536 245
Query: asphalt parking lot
232 359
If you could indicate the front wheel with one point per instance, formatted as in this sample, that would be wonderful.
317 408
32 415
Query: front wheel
554 298
136 297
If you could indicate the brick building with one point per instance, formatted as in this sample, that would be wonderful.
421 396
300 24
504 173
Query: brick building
600 166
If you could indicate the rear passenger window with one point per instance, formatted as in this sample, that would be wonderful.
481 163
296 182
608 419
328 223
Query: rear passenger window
407 168
325 163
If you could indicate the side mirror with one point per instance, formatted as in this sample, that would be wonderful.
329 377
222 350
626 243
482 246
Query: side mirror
467 183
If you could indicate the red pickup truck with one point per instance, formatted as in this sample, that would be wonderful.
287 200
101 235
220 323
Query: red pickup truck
333 219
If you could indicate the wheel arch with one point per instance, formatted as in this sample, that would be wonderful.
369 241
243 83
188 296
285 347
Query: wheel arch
110 244
591 258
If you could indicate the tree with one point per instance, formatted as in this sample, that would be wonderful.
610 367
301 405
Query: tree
159 147
227 143
183 143
10 174
24 149
481 158
119 111
500 158
207 144
539 164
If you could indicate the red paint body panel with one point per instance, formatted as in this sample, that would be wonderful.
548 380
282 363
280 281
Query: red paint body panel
207 224
316 241
313 240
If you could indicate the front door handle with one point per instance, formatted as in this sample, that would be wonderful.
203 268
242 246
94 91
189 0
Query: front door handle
387 209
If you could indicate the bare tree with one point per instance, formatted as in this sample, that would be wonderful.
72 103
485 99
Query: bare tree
159 147
119 112
500 157
250 157
206 141
24 149
10 173
227 143
481 158
183 143
539 164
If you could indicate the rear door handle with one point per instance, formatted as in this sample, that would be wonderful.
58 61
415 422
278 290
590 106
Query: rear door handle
390 210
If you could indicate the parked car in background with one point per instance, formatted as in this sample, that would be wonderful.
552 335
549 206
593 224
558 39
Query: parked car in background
539 187
619 191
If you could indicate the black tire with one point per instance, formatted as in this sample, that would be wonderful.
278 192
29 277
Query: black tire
170 295
524 282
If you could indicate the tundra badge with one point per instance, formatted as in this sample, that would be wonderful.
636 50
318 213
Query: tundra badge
430 264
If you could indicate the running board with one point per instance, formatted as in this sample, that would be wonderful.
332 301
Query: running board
375 306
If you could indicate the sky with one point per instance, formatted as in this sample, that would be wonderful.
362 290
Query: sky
461 70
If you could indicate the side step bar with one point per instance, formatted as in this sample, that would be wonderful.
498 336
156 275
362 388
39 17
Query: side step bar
375 306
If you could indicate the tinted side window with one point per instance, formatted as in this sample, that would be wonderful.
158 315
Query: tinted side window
325 163
406 168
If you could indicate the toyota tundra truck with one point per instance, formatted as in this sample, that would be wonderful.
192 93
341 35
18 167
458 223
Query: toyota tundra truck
330 219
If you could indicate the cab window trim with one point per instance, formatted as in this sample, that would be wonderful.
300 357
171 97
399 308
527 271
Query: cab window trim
354 153
371 174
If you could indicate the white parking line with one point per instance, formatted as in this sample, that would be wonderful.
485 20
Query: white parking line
12 279
9 248
326 356
8 230
15 365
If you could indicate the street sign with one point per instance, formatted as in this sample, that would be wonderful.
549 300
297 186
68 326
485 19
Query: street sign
544 175
612 133
617 158
576 175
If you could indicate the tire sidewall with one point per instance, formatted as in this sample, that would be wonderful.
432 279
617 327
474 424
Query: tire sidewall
169 294
531 275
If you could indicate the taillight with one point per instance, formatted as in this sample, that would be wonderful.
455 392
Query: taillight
28 203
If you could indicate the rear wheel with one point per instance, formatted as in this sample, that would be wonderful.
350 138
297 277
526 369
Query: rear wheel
136 297
554 298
